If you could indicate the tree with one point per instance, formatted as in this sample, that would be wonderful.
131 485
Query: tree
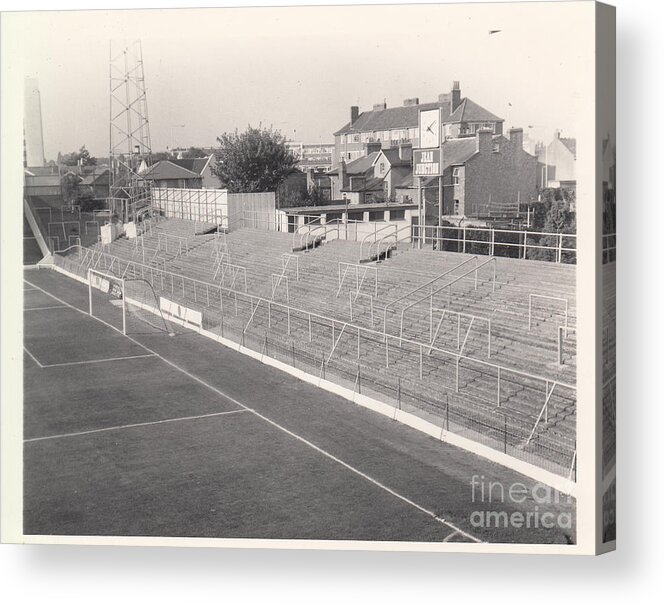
252 161
552 215
69 188
81 156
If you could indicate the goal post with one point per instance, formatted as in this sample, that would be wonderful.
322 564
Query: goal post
112 287
129 304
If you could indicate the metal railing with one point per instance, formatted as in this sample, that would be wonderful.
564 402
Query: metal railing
178 242
373 235
422 286
562 334
609 247
276 280
353 299
508 382
389 244
449 286
497 242
356 269
297 234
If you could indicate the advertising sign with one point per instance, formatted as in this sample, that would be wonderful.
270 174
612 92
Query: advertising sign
427 162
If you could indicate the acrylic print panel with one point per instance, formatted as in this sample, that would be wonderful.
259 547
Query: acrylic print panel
334 330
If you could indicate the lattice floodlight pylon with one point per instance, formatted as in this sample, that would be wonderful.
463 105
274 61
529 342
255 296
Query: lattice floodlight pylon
129 129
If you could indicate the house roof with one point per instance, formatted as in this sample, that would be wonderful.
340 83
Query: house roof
359 166
470 111
167 170
46 180
392 155
404 182
371 184
41 170
90 179
571 144
407 117
197 165
458 151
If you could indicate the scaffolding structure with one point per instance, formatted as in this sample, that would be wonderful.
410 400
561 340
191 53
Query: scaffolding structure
129 131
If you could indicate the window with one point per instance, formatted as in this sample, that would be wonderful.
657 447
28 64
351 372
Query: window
456 207
456 173
386 135
382 167
495 147
376 215
356 138
397 215
356 216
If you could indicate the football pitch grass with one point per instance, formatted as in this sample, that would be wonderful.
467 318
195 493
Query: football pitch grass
157 435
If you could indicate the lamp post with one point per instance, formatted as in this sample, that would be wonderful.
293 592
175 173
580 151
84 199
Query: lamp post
346 217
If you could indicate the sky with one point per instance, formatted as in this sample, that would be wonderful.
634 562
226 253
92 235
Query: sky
299 70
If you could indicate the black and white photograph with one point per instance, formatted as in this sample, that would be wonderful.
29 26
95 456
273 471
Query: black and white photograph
277 293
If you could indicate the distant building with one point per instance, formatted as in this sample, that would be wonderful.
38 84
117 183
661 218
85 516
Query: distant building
558 160
321 182
166 173
95 185
375 177
317 157
483 177
33 137
395 126
203 167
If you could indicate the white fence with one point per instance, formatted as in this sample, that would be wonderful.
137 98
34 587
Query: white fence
202 205
216 206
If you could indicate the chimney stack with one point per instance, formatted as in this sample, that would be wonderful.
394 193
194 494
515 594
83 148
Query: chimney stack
405 152
455 96
343 178
484 140
411 102
379 106
516 137
355 112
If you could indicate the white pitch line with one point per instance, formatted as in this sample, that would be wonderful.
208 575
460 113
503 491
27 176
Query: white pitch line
131 426
451 535
332 457
87 361
44 308
32 357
